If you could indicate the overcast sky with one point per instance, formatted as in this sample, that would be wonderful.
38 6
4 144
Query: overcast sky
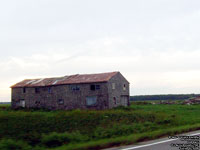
155 44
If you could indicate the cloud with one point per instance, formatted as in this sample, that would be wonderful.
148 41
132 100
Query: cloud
163 71
155 44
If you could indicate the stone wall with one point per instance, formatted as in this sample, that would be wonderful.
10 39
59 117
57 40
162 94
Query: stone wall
119 92
61 97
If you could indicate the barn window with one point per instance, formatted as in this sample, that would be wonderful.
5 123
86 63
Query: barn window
24 90
49 90
37 102
22 102
18 103
60 101
124 87
75 87
114 100
37 90
97 87
91 100
94 87
113 86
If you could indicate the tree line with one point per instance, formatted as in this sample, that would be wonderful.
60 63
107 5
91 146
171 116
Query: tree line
163 97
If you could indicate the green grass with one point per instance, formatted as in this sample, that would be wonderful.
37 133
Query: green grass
4 105
82 129
130 139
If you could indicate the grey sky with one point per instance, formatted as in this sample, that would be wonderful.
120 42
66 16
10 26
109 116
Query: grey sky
154 43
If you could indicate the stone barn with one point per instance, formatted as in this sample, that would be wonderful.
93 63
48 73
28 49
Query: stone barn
80 91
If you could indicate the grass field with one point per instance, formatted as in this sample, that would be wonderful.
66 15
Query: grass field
81 129
4 105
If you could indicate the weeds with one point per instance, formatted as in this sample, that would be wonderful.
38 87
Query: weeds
57 139
8 144
52 129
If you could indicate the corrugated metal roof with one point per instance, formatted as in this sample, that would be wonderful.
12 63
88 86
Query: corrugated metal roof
71 79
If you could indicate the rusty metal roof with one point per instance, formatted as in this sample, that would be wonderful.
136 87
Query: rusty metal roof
71 79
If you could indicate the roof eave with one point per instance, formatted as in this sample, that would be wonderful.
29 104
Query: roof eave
57 84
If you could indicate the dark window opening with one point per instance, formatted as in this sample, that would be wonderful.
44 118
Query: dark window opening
49 90
124 87
115 101
37 90
94 87
37 102
60 101
97 87
24 90
75 88
18 103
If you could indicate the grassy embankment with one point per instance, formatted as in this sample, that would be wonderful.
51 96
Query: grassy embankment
64 130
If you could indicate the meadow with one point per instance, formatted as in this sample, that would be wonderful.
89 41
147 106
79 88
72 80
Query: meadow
89 129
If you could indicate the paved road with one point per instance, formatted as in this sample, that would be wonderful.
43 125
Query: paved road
186 141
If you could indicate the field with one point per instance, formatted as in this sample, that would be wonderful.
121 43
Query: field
78 129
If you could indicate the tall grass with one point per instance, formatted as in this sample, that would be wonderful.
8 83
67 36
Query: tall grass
49 129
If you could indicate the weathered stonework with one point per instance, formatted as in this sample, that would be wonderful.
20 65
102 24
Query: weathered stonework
120 93
74 96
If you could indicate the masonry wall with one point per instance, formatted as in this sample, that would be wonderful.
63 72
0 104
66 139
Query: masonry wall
50 98
119 92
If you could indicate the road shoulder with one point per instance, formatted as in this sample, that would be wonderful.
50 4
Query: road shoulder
152 142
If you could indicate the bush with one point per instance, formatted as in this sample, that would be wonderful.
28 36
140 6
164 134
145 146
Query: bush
123 108
57 139
33 138
118 130
8 144
142 103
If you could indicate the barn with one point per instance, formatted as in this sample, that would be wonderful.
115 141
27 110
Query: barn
81 91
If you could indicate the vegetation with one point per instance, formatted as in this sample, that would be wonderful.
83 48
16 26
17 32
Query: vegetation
163 97
81 129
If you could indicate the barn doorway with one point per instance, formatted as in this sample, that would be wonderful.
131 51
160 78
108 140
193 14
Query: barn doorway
22 103
124 100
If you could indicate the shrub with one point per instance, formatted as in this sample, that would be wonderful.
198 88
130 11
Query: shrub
123 108
8 144
117 131
142 103
57 139
33 138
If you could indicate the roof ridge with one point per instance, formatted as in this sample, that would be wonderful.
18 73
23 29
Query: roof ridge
99 73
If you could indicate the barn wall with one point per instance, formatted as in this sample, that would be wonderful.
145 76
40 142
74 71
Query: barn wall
120 92
72 99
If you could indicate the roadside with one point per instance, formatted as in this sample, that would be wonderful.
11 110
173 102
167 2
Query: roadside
132 140
162 143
